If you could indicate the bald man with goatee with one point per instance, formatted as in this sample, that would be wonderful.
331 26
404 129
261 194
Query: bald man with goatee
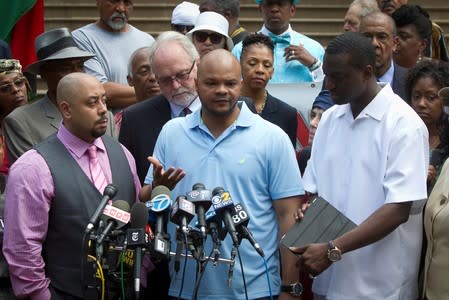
53 191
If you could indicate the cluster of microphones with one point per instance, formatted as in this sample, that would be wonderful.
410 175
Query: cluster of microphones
216 216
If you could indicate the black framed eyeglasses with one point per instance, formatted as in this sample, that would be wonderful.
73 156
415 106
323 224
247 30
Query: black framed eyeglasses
18 83
182 28
202 36
180 77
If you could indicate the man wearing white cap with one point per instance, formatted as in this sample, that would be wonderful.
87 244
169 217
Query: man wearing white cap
184 16
210 33
113 40
297 58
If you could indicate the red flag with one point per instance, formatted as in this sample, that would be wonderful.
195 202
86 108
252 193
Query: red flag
28 27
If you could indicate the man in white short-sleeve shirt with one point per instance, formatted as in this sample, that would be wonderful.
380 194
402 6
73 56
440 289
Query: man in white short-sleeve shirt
369 159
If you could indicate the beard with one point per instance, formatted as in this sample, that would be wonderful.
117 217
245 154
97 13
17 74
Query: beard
183 97
117 25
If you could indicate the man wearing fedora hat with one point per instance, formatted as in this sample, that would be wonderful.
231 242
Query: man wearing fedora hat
28 125
297 58
113 40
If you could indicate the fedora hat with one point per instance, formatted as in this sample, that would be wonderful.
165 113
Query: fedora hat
56 44
212 21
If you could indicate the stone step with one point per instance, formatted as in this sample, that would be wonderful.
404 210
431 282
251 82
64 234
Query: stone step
309 27
144 10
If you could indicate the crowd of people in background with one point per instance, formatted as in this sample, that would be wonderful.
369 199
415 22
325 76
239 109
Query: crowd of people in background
192 105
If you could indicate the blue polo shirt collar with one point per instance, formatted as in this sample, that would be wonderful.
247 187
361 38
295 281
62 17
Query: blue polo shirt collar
245 119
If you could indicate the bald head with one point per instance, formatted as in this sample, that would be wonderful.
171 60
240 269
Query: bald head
218 59
69 86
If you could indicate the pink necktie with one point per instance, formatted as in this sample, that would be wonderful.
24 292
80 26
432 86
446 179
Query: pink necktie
96 172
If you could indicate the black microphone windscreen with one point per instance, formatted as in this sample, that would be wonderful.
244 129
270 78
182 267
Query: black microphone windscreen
198 186
139 215
217 190
110 190
160 190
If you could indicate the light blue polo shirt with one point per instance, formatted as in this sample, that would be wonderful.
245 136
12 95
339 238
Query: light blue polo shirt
254 160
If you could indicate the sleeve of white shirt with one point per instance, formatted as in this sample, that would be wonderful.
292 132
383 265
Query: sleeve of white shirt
408 160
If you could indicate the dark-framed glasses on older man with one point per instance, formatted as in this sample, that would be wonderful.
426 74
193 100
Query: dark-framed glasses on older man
180 77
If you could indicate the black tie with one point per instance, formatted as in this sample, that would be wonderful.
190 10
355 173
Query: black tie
186 111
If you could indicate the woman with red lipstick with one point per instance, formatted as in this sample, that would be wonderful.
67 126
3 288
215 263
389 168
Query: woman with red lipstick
14 89
256 61
422 86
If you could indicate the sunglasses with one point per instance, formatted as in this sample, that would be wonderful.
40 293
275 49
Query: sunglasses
7 88
182 28
201 37
180 77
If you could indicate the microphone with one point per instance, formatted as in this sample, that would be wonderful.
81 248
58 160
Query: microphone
109 192
241 219
201 198
224 207
136 238
182 213
117 216
214 225
160 205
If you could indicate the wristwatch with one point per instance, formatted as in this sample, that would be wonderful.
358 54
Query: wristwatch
333 253
294 289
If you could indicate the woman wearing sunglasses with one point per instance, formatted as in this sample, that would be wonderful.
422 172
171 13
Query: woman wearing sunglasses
210 33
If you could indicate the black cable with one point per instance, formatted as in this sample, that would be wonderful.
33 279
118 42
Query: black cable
201 273
183 269
243 274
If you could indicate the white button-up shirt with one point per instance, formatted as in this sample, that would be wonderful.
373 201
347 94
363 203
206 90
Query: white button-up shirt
359 165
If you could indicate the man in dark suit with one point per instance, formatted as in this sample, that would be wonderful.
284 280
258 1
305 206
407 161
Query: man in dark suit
173 59
30 124
381 29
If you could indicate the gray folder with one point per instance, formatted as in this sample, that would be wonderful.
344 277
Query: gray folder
321 223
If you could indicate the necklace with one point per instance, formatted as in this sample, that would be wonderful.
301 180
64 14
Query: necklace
260 107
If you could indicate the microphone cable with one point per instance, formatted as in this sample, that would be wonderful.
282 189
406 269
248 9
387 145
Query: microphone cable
243 273
183 269
100 274
268 277
200 275
122 278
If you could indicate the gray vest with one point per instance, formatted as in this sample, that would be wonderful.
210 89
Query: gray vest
76 199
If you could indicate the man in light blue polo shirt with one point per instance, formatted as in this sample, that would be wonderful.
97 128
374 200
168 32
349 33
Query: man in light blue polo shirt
225 144
297 58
